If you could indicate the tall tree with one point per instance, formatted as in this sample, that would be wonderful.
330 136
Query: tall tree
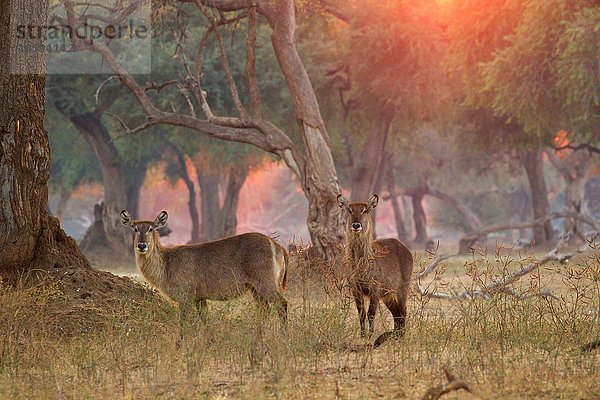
477 30
390 80
530 79
30 238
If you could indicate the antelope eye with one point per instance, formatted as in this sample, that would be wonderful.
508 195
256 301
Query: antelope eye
149 229
364 210
136 229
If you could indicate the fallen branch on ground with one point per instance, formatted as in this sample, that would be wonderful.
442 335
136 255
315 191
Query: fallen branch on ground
501 285
453 384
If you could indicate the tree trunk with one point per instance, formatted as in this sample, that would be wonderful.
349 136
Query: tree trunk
237 177
137 176
220 221
390 182
532 163
419 217
209 204
318 175
30 239
195 234
113 178
367 170
471 221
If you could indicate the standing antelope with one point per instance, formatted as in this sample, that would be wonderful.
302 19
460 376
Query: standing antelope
381 269
218 270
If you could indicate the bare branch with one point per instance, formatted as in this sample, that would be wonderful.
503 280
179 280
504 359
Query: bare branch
502 285
337 9
453 384
474 236
153 86
128 131
184 93
99 88
560 166
583 146
431 267
250 63
230 81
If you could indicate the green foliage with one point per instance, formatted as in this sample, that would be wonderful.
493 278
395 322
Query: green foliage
541 73
579 71
394 53
73 161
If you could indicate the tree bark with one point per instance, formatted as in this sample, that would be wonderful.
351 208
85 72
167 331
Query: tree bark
30 239
318 175
531 159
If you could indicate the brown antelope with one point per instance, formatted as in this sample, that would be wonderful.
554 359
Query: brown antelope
380 269
218 270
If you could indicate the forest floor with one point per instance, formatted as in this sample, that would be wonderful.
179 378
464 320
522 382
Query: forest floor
95 342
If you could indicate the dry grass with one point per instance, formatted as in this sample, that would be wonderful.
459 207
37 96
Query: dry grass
505 348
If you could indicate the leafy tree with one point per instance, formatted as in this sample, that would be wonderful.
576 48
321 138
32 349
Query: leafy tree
478 31
311 161
532 82
391 77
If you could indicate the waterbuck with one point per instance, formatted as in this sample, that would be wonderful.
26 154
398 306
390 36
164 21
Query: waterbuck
380 269
218 270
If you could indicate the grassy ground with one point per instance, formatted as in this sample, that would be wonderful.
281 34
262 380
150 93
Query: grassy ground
506 348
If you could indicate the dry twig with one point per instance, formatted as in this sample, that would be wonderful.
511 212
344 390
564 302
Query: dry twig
453 384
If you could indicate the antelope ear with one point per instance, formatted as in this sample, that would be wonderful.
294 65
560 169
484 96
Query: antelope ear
342 201
161 219
126 218
373 202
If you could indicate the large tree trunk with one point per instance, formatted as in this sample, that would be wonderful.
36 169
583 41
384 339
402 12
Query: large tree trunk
209 204
390 183
113 178
183 172
368 168
319 178
219 221
29 239
237 177
531 159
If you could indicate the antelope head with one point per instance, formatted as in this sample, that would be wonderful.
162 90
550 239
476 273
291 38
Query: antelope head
358 217
144 238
